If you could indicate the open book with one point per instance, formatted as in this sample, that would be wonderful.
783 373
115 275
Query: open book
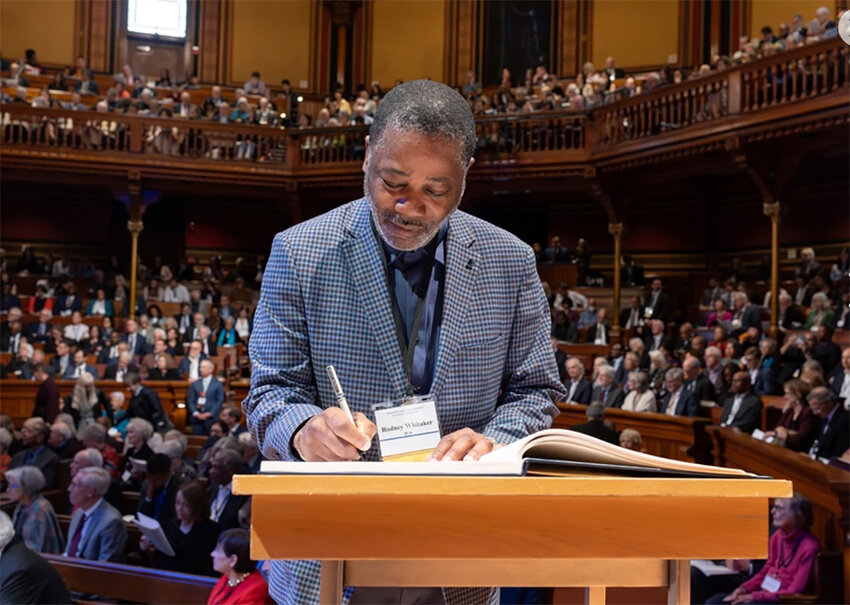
550 452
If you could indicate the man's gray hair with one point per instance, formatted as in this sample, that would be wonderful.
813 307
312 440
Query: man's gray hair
171 448
714 351
29 478
143 426
27 347
636 343
96 478
608 370
179 437
62 428
94 432
429 108
7 530
67 419
92 457
595 411
578 362
675 374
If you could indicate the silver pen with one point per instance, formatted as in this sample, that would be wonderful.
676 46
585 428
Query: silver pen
340 396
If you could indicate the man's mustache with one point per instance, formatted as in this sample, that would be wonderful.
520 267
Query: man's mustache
398 220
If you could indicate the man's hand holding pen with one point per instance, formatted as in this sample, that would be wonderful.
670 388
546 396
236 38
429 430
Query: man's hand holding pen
331 436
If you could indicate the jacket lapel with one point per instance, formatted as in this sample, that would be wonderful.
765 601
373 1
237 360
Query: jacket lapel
462 266
361 253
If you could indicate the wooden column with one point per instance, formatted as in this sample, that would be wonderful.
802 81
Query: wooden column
134 226
772 210
616 229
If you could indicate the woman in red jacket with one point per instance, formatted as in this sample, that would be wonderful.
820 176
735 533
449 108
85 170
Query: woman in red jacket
241 582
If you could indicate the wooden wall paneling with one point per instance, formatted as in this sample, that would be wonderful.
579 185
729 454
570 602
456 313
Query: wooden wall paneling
566 59
210 33
81 20
584 41
466 38
99 38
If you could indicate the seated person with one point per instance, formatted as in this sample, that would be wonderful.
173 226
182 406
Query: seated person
139 431
26 577
97 531
791 556
191 533
240 581
34 435
86 402
79 366
34 518
631 440
640 397
159 490
797 425
162 371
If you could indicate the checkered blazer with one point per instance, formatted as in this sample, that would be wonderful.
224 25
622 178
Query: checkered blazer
324 300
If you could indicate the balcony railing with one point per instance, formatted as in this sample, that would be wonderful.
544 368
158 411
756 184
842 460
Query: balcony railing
568 136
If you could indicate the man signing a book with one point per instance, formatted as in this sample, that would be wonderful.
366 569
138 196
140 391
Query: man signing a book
404 295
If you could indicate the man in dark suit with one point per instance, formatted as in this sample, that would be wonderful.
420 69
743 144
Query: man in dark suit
826 352
656 305
39 331
61 360
97 530
631 363
204 400
803 294
224 505
742 409
761 378
839 379
598 332
677 401
190 365
612 72
579 388
607 393
47 396
631 318
655 338
136 343
232 416
744 315
556 253
145 403
79 367
208 342
790 317
34 434
595 426
109 353
68 302
833 436
696 381
159 490
62 441
118 368
25 576
631 273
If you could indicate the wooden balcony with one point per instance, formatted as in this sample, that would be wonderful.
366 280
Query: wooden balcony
796 91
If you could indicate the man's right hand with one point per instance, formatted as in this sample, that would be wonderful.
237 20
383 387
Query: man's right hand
330 436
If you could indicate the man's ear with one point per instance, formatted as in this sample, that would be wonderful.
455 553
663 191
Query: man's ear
367 155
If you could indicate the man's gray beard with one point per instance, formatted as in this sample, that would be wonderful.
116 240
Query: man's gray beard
423 239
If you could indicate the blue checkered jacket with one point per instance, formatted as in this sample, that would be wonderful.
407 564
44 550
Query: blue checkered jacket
324 300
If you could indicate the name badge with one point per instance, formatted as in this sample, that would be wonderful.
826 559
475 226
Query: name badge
408 432
202 401
598 341
647 312
771 583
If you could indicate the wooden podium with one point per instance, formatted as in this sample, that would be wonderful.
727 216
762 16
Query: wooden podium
584 531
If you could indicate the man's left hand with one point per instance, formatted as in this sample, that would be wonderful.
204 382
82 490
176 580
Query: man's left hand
464 444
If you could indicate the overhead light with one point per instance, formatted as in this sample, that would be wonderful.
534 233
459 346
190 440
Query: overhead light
300 99
283 115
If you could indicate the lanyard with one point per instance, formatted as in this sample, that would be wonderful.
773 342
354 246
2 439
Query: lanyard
406 344
783 562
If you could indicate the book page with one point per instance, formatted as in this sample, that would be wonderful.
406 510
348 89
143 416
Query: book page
152 530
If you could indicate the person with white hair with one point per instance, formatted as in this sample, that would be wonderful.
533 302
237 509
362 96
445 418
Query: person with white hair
809 268
640 397
62 440
251 455
34 518
607 392
5 443
139 431
97 530
25 576
86 402
631 440
820 313
578 387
